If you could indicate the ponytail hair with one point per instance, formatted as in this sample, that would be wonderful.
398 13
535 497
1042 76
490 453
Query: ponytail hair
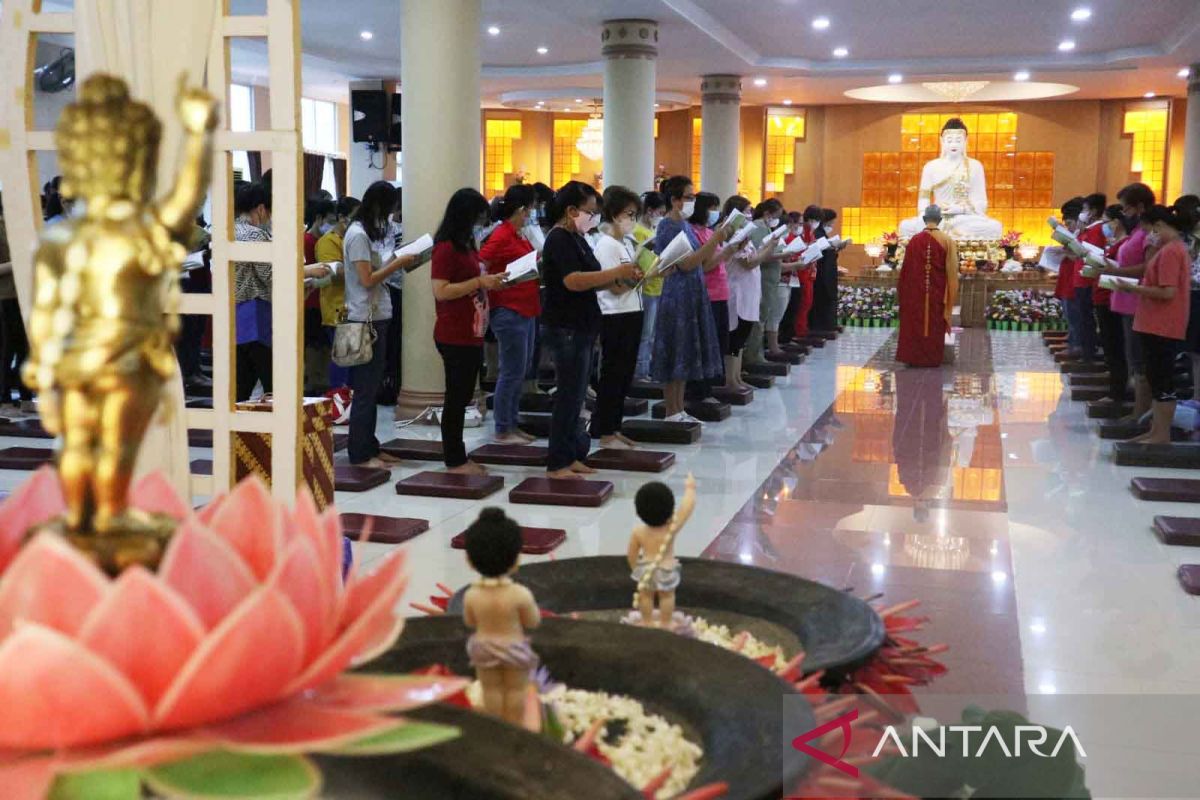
518 196
1180 219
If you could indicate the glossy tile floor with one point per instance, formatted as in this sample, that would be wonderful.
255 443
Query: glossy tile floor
979 489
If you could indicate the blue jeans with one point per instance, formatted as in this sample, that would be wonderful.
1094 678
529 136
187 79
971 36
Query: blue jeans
515 335
364 382
572 354
1073 325
646 348
1086 317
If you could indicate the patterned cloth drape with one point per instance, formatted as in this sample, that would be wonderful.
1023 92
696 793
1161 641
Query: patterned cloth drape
314 171
339 177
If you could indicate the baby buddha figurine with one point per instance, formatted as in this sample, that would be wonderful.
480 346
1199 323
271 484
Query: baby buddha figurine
500 611
652 549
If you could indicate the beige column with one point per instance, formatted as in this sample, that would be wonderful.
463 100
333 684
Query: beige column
630 48
1191 146
721 121
439 80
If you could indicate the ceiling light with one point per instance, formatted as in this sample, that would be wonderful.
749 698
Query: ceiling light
1021 76
366 36
840 52
1081 14
760 81
1066 45
656 105
1149 95
493 31
787 102
895 77
541 102
820 23
1183 73
578 99
543 50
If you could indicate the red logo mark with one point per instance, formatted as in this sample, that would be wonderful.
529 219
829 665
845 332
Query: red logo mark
801 742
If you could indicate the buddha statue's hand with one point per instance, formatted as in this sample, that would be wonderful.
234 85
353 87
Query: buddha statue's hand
197 109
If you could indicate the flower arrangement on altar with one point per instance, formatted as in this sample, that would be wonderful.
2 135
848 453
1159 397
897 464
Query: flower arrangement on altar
1024 309
867 306
1011 239
891 238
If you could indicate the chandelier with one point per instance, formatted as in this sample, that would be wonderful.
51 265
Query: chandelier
955 91
591 140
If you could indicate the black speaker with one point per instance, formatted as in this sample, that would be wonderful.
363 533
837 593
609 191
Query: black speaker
394 140
369 115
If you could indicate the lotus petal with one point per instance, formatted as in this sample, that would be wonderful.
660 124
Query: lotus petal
36 500
50 583
364 590
144 629
132 753
243 663
297 726
327 544
206 512
251 522
206 572
154 494
299 578
367 692
90 702
27 779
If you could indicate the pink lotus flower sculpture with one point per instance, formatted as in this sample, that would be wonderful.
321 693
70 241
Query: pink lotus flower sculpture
219 670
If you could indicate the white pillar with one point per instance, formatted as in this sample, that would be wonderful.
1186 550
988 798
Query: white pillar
1191 142
721 127
439 80
630 48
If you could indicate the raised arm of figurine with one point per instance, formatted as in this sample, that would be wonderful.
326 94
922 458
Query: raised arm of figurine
198 114
686 506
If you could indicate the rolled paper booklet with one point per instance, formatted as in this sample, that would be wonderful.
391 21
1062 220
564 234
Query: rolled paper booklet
742 235
1116 283
422 247
796 245
1052 258
679 248
522 269
1098 262
812 253
1053 222
778 233
533 234
736 220
1063 236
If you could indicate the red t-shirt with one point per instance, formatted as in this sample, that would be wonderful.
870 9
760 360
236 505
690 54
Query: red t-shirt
1167 318
457 320
1102 297
1064 285
503 247
1093 234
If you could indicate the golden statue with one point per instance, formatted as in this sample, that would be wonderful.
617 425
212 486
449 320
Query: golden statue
106 296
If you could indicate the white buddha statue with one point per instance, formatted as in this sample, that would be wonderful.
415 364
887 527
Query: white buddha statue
956 183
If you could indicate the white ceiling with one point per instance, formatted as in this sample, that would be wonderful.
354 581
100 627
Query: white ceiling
1124 50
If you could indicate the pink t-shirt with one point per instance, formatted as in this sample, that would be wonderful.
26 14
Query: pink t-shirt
1170 266
716 280
1132 253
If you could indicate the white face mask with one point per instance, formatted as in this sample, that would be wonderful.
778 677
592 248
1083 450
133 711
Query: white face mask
689 208
772 222
585 222
1085 217
813 224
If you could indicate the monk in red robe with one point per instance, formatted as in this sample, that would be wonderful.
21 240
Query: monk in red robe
927 288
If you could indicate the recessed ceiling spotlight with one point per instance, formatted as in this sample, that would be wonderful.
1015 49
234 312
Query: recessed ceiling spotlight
840 52
366 36
1021 76
541 102
493 31
543 50
1149 95
1081 14
821 23
578 100
895 77
656 105
1183 73
760 81
787 102
1066 45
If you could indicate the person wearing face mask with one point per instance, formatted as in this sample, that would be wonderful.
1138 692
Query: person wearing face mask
795 288
704 220
653 208
1162 313
1115 228
766 217
1091 231
1132 256
319 216
366 266
571 320
745 296
686 345
513 311
822 318
333 296
1064 285
621 326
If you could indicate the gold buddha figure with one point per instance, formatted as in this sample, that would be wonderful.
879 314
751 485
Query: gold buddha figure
106 294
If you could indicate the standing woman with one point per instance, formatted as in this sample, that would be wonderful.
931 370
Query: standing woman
1112 335
653 208
704 220
1162 314
512 311
571 320
685 338
621 325
745 296
368 299
767 215
823 316
460 295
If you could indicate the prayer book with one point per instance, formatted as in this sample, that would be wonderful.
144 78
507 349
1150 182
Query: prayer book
421 247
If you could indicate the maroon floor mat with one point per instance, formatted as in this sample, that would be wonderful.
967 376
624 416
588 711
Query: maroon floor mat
758 381
704 410
413 449
1176 455
646 391
348 478
734 397
1171 490
561 492
1179 531
662 432
767 368
1189 578
25 457
1108 410
29 428
340 441
510 455
200 437
384 530
534 541
795 359
201 466
449 484
631 460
